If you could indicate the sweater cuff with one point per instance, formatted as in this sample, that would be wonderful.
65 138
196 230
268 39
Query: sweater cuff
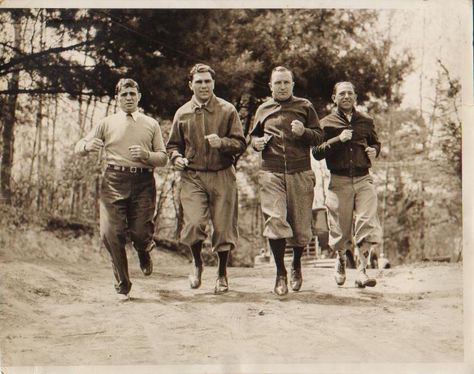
174 155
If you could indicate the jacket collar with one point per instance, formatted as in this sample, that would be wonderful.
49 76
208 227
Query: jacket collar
341 114
209 105
272 101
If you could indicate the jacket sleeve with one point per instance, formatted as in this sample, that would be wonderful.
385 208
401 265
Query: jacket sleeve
373 140
175 146
319 151
234 143
313 135
257 130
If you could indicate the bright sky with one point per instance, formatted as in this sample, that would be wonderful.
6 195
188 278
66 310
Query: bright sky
435 30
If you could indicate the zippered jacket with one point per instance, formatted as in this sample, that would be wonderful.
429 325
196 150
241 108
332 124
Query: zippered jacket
286 152
348 158
192 122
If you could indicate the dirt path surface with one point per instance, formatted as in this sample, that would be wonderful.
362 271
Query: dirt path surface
56 312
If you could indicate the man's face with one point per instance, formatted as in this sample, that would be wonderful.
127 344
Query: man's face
345 97
202 86
128 98
281 85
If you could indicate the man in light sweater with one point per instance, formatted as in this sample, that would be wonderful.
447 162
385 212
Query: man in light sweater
133 146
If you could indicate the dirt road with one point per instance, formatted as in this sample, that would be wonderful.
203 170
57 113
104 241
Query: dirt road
62 311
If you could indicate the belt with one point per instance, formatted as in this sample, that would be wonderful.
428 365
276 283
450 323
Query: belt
350 173
130 169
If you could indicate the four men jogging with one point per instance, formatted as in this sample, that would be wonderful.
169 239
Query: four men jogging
204 143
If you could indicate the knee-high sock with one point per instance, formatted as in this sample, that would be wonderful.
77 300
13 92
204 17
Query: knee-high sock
297 253
278 249
196 252
222 265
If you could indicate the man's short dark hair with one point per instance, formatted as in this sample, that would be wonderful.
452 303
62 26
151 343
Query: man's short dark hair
201 68
125 83
281 69
334 90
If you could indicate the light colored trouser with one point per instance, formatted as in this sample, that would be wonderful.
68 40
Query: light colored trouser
352 200
287 201
211 194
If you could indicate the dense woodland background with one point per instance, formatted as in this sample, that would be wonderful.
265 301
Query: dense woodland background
59 67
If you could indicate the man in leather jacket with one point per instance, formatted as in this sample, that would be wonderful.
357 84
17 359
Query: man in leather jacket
350 146
204 142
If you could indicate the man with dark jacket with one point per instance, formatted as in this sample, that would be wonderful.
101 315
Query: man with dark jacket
204 142
350 146
285 128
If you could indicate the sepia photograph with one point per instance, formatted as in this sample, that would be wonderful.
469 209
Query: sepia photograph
236 187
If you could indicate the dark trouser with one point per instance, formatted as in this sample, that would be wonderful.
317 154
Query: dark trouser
127 204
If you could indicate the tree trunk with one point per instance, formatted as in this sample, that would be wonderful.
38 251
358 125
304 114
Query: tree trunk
109 104
178 208
53 139
97 198
422 222
35 152
93 114
39 165
8 134
161 194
